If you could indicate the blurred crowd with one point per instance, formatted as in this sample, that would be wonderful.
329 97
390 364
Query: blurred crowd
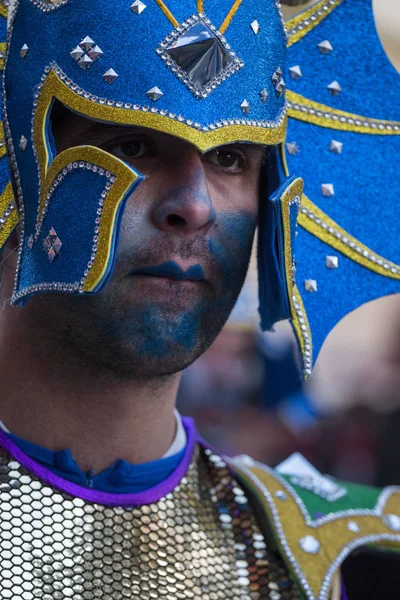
247 396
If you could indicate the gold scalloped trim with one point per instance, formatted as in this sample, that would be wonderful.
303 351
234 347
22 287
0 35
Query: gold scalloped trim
3 50
299 26
315 221
12 220
3 11
3 147
323 115
333 533
298 315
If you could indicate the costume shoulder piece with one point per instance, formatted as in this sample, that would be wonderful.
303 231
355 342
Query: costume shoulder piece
343 140
317 521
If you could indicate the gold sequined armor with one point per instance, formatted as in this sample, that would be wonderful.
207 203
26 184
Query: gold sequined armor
200 542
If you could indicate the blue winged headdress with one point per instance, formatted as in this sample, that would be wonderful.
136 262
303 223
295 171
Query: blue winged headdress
344 140
211 73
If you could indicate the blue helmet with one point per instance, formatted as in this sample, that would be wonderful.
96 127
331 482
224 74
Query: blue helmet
211 73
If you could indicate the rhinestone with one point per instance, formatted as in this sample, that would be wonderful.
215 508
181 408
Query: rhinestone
264 95
86 43
95 52
85 62
245 106
280 494
155 94
255 27
23 142
310 285
332 262
30 242
336 147
334 88
295 72
277 75
292 148
392 521
138 7
280 87
52 245
309 544
325 47
110 76
328 189
24 51
352 526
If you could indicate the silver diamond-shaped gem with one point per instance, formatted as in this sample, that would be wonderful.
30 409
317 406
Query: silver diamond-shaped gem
245 106
277 75
24 51
77 53
30 242
52 245
292 148
95 52
392 521
336 147
280 494
332 262
155 94
334 88
110 76
328 190
295 72
309 544
138 7
280 87
264 95
310 285
198 56
86 43
325 47
85 62
255 27
23 142
352 526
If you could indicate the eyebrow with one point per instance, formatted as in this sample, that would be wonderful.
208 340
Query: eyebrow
103 129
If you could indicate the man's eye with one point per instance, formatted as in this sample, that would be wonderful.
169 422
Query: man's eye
227 159
131 149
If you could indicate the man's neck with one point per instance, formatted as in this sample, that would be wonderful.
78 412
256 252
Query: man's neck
55 401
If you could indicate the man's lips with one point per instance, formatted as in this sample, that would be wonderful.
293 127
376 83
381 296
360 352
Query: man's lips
171 270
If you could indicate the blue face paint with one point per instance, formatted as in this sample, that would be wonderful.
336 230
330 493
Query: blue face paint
225 253
160 327
172 270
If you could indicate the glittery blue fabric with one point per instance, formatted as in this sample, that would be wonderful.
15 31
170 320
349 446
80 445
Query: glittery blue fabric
365 175
72 213
128 42
273 291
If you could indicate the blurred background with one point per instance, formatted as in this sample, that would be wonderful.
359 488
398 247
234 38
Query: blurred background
246 394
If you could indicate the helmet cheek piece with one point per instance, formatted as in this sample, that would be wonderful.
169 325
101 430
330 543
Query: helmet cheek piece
280 199
70 244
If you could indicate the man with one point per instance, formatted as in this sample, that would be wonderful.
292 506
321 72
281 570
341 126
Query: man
143 152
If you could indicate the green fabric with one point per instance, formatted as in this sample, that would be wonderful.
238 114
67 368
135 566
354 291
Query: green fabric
358 497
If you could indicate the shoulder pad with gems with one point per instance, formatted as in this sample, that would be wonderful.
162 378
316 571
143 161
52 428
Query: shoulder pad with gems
316 521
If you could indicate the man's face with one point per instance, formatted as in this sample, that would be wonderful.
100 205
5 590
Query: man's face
182 257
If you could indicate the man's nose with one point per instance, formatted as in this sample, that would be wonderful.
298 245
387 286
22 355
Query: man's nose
184 203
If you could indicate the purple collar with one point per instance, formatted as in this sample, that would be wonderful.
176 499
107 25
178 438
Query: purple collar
148 497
